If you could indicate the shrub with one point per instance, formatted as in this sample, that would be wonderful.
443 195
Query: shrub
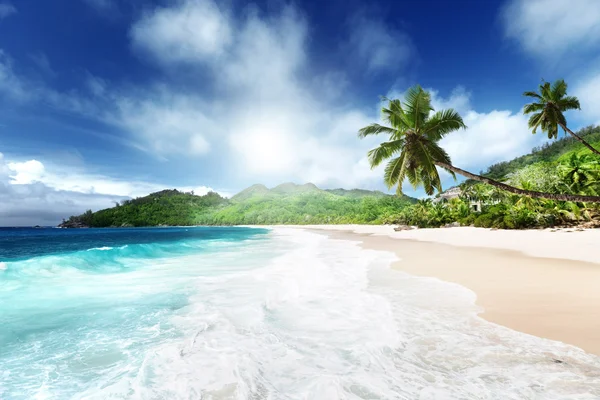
483 221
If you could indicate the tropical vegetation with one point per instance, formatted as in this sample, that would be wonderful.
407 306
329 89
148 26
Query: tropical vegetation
556 184
549 152
414 131
285 204
547 110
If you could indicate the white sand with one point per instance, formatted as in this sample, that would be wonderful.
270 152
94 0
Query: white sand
568 244
554 294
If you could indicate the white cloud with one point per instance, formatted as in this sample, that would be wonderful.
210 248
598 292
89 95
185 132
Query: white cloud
459 100
588 92
269 119
7 9
490 138
275 121
191 31
565 34
266 112
26 200
32 193
78 180
377 46
11 85
267 116
550 28
168 123
96 85
26 172
43 64
498 135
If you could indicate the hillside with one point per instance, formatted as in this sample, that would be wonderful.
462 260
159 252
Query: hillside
167 207
287 203
290 203
549 152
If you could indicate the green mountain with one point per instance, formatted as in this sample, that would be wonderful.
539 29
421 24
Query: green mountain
290 203
287 203
550 152
356 193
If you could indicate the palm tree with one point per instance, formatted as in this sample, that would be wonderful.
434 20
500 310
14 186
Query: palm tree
580 169
548 108
414 132
581 173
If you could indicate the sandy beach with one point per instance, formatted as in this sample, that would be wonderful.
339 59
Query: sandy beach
544 283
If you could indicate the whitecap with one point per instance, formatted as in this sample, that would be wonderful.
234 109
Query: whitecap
299 316
103 248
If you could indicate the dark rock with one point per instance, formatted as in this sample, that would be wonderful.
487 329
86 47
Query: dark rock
72 224
454 224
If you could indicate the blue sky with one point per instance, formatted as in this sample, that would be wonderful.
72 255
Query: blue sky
106 99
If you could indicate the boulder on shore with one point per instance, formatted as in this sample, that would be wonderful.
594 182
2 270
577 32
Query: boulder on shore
400 228
454 224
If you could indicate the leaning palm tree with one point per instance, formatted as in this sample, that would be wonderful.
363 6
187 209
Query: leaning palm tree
548 108
414 131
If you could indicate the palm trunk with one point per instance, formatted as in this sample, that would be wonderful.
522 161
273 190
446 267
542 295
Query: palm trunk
576 136
523 192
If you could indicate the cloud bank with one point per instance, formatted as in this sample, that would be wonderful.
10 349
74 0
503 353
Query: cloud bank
243 87
549 28
32 193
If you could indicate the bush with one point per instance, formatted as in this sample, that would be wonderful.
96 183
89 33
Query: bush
468 220
483 221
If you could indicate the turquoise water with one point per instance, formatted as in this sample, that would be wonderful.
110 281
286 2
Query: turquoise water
237 313
77 304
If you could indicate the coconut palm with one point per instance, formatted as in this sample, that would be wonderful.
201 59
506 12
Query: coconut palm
414 130
580 171
548 108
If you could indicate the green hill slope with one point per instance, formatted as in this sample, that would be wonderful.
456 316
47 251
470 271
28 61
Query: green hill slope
287 203
550 152
167 207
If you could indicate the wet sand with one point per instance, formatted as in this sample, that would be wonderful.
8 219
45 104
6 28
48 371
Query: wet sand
555 298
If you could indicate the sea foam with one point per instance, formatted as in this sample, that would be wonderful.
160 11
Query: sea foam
298 316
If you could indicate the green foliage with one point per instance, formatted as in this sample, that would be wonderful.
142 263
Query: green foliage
315 207
542 177
412 148
571 173
502 210
284 204
546 112
168 207
548 153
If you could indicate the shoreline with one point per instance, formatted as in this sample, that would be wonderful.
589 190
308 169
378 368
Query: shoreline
518 282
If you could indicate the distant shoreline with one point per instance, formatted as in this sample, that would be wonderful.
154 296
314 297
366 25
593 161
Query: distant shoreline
539 282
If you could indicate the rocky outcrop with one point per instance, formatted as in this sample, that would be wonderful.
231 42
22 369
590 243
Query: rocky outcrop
72 224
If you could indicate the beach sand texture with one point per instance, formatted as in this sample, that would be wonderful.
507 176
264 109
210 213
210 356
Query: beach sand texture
542 283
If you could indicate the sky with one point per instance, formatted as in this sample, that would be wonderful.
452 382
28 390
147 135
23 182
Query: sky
102 100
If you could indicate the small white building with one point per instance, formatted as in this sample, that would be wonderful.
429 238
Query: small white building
447 195
454 193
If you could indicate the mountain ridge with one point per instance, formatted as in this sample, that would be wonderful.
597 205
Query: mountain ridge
285 203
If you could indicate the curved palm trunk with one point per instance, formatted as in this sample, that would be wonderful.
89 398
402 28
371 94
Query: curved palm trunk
576 136
523 192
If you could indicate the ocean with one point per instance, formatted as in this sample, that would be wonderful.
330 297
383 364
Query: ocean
252 313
